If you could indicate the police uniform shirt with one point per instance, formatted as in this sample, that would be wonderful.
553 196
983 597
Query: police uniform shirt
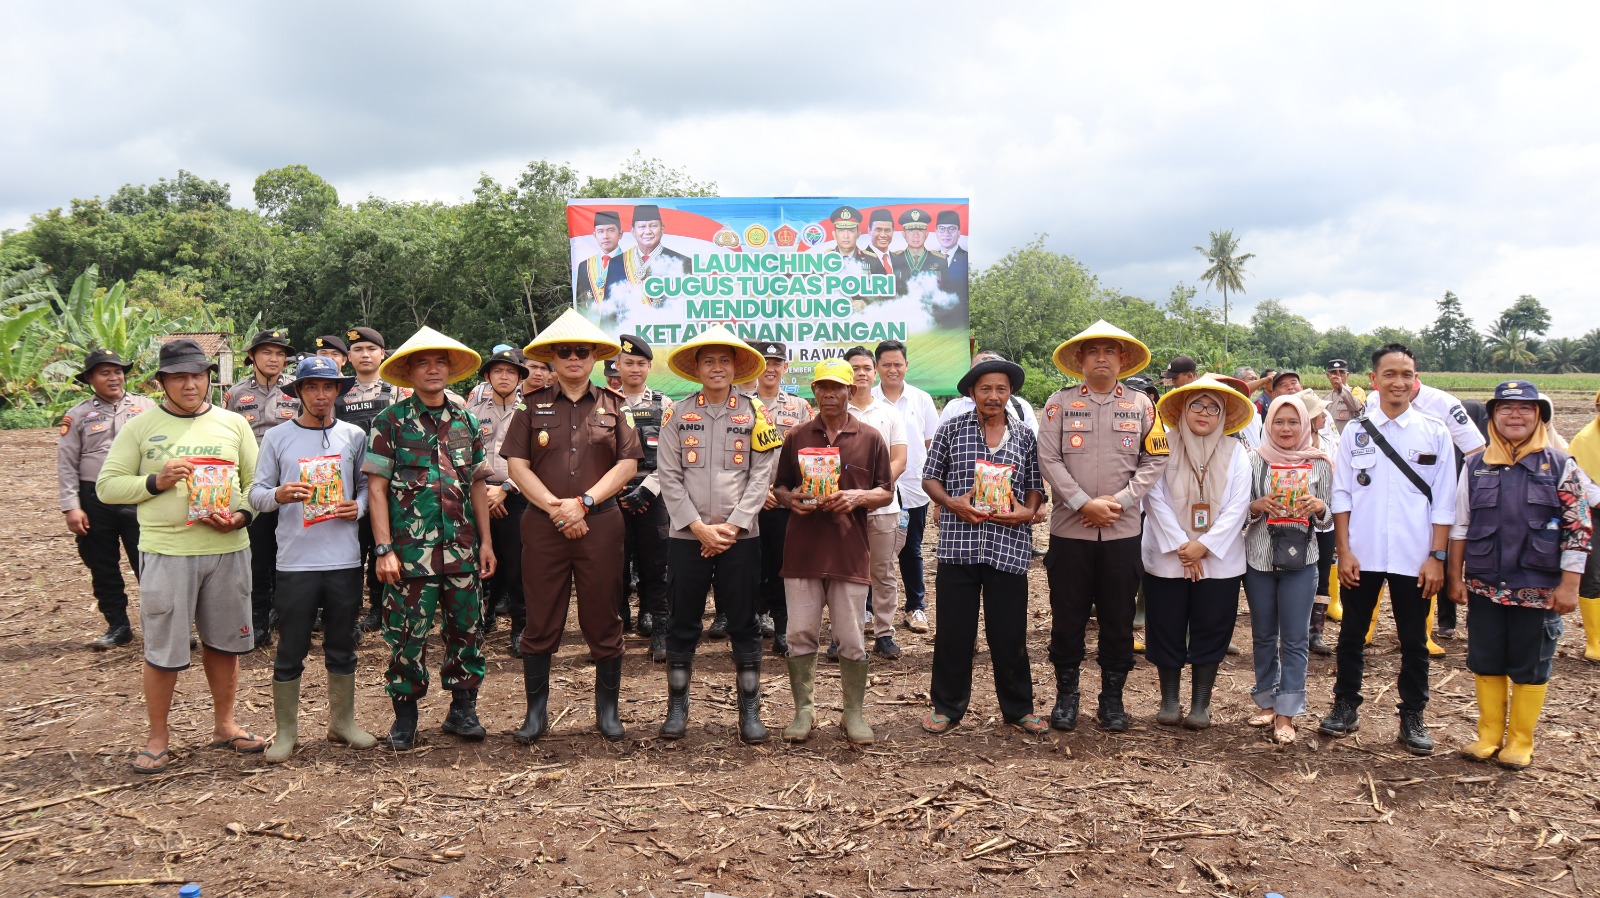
265 407
1093 444
786 411
1344 406
648 409
1447 410
365 400
86 433
494 422
569 444
709 470
1391 521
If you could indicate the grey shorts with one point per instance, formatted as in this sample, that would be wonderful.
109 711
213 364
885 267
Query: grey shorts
209 593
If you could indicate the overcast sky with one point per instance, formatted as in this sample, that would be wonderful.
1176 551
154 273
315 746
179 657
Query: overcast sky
1371 155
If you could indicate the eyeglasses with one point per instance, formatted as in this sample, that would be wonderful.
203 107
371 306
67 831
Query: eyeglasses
1201 408
567 352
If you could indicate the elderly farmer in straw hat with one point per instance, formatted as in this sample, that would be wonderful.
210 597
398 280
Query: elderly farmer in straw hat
427 479
570 450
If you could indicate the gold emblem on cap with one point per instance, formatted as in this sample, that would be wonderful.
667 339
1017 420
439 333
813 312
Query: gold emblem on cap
916 214
276 334
319 342
627 347
353 334
844 214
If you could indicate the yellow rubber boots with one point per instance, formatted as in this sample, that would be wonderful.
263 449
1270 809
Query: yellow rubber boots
1494 694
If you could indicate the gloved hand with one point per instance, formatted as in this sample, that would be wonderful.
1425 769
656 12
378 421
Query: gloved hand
636 501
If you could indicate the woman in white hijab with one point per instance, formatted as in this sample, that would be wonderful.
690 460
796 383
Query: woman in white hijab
1193 551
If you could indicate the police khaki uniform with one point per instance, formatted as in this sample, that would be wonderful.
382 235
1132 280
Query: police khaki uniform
494 422
716 463
113 530
360 406
786 411
563 448
644 515
264 406
1094 444
1346 404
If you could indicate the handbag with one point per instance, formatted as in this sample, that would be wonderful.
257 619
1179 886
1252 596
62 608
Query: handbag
1290 543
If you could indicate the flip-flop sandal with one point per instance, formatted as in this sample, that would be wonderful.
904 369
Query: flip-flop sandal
936 723
1262 718
1283 734
158 767
1033 724
233 744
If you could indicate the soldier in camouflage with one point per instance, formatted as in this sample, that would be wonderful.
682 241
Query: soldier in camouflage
427 482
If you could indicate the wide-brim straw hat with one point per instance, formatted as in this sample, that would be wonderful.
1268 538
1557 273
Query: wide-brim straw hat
1313 403
747 362
1236 407
1066 355
571 327
396 368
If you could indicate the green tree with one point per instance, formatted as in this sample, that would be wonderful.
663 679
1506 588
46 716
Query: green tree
1509 348
641 177
1452 342
1281 335
1527 316
1025 304
1563 355
1226 272
515 246
185 192
295 197
1339 343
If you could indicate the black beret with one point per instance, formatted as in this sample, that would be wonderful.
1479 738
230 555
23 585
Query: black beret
632 345
328 341
365 335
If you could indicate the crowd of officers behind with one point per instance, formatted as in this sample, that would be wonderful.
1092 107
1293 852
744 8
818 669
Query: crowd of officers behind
541 483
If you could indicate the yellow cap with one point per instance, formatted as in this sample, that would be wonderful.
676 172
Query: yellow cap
836 370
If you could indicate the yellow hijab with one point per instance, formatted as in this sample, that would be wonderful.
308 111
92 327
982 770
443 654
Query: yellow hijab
1585 447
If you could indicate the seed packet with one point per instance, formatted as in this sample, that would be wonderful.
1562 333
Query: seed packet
991 490
210 488
1289 485
325 475
819 473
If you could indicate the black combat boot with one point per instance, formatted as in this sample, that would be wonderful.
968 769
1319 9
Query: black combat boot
1110 715
463 717
403 735
1342 720
1065 714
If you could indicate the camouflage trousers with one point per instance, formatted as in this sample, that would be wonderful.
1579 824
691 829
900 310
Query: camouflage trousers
408 611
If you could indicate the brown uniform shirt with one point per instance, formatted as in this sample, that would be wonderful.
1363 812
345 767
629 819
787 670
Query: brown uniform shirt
1343 407
707 468
823 545
265 407
86 433
1090 445
571 445
494 422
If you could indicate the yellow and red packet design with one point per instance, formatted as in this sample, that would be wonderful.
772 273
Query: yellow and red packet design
1289 485
325 475
820 468
991 487
210 488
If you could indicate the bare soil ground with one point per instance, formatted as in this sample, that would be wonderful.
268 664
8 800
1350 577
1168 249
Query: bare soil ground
984 810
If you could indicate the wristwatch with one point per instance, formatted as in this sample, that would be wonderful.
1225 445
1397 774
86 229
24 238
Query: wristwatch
1439 555
509 486
382 549
588 500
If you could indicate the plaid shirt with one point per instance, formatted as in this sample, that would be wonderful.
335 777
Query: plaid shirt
952 458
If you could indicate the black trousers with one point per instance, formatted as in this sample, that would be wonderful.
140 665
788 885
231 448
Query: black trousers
963 588
1510 640
263 565
645 541
1085 575
911 572
1410 621
369 565
1327 545
113 532
735 574
774 524
1188 622
506 535
300 594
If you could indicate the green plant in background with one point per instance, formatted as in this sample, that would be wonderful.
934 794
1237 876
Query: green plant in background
1226 272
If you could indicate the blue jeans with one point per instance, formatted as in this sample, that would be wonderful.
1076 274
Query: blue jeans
1280 621
911 560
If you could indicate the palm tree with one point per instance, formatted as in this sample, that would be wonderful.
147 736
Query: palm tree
1562 355
1508 347
1226 272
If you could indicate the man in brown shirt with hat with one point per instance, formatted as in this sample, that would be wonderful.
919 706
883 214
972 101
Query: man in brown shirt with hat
103 532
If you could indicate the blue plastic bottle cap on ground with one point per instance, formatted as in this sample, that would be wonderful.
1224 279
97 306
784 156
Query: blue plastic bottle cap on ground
1273 895
189 891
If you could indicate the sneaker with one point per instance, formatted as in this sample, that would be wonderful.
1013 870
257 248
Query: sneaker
1413 735
884 647
917 621
866 625
765 622
647 623
1037 552
719 626
780 645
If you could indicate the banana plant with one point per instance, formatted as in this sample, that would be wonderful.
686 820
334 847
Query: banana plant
23 354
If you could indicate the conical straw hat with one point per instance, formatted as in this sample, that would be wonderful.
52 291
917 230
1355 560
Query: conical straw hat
571 327
747 362
396 368
1066 355
1235 406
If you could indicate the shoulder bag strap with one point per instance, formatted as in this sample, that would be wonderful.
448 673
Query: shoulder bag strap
1410 472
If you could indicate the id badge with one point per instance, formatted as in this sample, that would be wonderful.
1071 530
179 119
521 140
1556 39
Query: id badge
1200 516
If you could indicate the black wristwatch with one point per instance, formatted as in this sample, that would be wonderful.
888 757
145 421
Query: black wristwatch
382 549
1439 555
588 500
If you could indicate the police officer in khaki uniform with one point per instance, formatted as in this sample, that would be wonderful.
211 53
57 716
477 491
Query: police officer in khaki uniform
570 451
645 515
786 411
503 372
371 395
263 403
716 463
86 433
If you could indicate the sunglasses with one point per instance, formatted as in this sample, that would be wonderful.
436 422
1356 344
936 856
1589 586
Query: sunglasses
567 352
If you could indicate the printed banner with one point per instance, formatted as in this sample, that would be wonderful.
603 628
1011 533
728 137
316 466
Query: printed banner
817 275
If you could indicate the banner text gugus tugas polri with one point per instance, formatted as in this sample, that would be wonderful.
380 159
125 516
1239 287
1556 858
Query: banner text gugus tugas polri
770 274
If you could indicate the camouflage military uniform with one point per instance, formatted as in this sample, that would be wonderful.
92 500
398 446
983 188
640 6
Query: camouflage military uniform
430 460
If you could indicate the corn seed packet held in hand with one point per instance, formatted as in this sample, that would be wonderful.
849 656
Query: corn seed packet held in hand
325 475
991 487
210 489
819 474
1289 485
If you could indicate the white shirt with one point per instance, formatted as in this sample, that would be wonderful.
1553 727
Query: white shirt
962 404
891 426
1391 522
1164 532
921 418
1447 410
1255 432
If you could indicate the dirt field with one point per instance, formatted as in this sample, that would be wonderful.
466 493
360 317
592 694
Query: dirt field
985 810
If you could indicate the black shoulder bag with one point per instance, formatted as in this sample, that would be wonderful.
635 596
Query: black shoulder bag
1410 472
1290 542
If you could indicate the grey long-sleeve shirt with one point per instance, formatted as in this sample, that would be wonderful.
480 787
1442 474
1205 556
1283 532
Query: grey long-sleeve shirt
326 545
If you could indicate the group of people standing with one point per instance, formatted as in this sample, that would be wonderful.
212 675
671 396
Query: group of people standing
538 487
